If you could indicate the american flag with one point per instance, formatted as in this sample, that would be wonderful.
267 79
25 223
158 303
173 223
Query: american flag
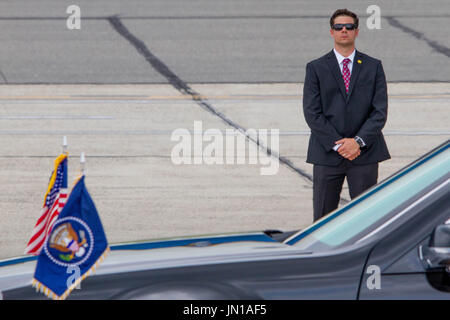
55 199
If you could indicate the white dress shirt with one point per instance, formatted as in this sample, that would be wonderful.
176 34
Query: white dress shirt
340 58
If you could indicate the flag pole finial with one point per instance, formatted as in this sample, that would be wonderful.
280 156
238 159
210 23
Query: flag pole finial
64 144
82 162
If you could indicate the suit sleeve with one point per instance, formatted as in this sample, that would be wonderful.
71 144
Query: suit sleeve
312 110
372 127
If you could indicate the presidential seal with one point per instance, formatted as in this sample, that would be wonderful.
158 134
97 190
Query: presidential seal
70 242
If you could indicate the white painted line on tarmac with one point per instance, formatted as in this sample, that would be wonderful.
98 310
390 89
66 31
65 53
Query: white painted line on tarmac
169 132
56 117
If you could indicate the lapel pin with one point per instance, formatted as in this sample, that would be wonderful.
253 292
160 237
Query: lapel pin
359 61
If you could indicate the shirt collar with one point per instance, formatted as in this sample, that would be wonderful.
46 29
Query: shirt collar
340 57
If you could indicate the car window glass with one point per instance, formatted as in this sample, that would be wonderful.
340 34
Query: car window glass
373 209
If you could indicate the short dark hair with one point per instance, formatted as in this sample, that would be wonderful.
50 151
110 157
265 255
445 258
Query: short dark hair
344 12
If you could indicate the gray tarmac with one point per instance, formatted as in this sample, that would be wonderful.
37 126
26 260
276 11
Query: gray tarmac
140 191
203 41
136 72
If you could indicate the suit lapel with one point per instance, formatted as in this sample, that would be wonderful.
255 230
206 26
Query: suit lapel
355 72
336 71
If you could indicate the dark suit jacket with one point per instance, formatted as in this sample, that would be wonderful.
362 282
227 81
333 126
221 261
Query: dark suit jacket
332 114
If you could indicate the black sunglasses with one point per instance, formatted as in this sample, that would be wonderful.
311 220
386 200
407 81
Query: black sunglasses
348 26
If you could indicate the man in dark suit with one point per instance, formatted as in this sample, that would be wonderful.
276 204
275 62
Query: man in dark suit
345 105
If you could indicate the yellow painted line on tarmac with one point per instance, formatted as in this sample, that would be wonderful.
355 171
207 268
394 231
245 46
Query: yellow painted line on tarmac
194 97
436 96
180 97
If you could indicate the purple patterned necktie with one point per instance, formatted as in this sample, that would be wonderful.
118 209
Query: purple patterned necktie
346 73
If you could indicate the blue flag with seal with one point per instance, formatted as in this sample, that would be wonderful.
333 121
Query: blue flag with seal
74 247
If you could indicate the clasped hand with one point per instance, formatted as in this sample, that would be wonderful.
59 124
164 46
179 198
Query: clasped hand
349 148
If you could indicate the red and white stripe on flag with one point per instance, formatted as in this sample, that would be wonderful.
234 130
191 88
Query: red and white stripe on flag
55 199
45 223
